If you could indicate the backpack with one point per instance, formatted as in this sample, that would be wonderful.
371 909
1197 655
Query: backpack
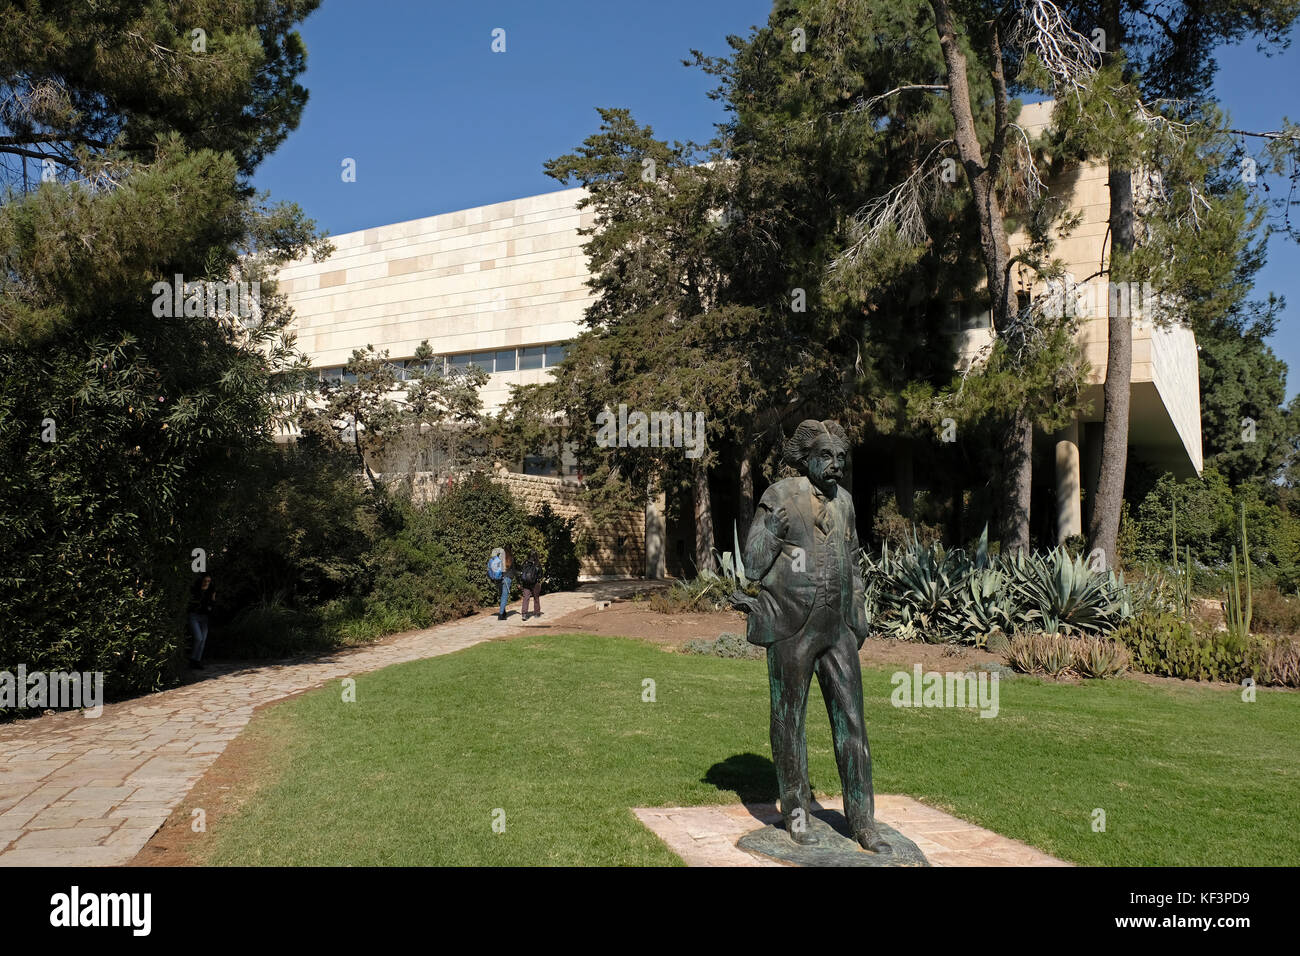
530 574
496 565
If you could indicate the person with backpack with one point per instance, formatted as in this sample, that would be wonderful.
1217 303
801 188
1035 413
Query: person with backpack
530 581
499 567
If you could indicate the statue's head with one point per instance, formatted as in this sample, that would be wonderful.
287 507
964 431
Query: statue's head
819 450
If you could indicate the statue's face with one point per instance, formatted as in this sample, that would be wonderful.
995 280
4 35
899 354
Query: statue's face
826 463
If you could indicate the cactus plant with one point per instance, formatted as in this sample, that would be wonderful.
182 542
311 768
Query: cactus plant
1238 609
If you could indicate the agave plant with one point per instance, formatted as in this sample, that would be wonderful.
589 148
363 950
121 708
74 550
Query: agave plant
738 590
1059 593
1100 657
1057 654
947 595
920 592
987 608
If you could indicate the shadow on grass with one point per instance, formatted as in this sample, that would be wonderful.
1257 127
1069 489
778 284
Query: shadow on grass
751 777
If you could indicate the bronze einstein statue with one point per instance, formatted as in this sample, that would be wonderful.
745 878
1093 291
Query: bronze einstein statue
810 615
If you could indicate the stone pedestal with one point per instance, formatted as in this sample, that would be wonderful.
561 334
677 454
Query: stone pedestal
833 847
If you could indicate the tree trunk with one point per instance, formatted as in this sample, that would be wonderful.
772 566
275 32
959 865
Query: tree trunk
1103 530
994 249
1017 487
746 506
656 536
703 518
957 514
904 483
361 457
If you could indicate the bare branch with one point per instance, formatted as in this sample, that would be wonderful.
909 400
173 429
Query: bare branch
900 210
1066 54
1034 184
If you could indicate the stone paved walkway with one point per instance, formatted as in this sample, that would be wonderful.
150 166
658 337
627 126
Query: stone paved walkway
706 836
77 791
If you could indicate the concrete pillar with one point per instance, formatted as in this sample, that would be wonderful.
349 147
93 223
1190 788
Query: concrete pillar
656 507
1069 505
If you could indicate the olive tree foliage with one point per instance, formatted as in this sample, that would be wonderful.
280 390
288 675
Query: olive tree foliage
417 418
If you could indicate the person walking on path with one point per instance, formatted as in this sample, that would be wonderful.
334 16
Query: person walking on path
507 566
530 582
200 608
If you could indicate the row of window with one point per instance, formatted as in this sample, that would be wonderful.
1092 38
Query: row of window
506 360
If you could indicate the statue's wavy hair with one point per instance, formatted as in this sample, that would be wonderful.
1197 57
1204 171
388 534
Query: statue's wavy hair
800 443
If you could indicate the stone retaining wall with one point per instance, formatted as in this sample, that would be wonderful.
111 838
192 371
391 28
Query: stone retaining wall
616 550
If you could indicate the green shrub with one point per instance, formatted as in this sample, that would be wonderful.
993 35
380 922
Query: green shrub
476 516
560 558
301 530
1164 643
728 645
1275 612
78 614
1208 519
418 582
735 646
267 629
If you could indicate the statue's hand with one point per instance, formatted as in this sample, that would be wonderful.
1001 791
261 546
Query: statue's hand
740 601
778 522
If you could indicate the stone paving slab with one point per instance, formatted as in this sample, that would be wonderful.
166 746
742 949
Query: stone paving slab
77 791
706 836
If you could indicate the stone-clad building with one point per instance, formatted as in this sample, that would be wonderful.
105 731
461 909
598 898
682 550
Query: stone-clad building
503 287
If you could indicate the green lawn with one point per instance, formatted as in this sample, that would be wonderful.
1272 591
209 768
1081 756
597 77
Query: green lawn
553 731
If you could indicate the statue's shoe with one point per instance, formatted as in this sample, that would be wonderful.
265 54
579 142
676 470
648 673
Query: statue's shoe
871 840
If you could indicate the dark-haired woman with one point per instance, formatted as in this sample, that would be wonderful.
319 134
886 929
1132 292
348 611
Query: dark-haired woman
200 607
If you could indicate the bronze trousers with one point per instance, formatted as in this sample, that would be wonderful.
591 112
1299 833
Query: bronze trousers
828 648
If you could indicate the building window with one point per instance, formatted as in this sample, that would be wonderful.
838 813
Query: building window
540 465
505 360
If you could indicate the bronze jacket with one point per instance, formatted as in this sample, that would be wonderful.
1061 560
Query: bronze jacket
789 569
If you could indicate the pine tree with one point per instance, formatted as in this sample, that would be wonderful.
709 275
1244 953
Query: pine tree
125 425
1153 55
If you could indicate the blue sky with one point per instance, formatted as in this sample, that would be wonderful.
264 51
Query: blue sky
411 90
